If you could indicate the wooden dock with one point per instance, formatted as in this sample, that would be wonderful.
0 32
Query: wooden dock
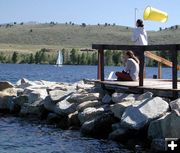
159 87
167 88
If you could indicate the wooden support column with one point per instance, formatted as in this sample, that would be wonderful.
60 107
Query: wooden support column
101 65
141 68
174 73
159 70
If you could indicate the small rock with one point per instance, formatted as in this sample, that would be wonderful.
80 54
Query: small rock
82 97
175 106
107 99
58 95
99 127
86 104
119 108
119 97
120 134
144 96
73 119
90 113
5 85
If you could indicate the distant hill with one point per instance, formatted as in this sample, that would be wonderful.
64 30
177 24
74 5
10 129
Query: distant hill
32 37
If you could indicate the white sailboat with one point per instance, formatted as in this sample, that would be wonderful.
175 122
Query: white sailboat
59 61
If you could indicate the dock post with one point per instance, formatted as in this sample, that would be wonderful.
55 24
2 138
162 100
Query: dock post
159 70
174 73
101 64
141 70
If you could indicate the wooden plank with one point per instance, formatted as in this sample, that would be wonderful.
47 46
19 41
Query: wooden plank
136 47
160 59
101 64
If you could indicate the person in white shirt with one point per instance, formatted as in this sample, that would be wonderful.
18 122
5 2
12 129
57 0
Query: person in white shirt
139 36
131 72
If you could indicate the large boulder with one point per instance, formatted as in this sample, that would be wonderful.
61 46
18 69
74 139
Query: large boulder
141 112
49 104
64 108
99 127
119 108
5 85
86 104
35 108
82 97
90 113
165 127
58 95
144 96
175 106
6 101
119 97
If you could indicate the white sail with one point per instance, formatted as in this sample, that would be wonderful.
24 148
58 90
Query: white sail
59 61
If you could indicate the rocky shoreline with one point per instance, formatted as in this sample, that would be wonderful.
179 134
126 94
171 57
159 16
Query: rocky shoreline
137 121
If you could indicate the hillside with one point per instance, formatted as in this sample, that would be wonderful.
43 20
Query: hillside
34 37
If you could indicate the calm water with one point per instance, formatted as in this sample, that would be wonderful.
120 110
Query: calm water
67 73
20 136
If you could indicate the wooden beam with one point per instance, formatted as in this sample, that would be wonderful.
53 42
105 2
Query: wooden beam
159 70
101 64
141 67
174 73
159 59
136 47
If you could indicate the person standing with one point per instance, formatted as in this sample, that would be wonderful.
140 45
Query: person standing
139 36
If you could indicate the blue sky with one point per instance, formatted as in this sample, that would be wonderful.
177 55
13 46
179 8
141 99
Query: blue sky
120 12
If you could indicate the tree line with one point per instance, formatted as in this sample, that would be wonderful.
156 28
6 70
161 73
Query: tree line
73 57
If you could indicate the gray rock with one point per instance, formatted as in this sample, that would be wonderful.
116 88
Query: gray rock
87 104
35 108
58 95
73 119
64 108
119 97
49 104
20 100
119 134
6 101
175 106
106 99
99 127
116 126
119 108
82 97
165 127
144 96
140 113
90 113
5 85
158 145
35 94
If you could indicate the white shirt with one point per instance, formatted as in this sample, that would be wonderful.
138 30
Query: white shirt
132 67
139 36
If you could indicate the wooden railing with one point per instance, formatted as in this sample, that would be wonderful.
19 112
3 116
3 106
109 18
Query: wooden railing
140 50
160 61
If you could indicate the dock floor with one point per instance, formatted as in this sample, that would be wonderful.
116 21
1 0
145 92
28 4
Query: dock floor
160 87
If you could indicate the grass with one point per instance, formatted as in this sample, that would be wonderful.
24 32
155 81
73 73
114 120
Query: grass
31 38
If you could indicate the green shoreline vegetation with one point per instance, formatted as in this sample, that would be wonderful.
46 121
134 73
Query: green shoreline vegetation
39 43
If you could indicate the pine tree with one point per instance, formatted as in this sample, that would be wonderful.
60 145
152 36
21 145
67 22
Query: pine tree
14 57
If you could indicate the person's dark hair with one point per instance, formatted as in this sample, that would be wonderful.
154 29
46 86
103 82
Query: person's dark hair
139 23
130 54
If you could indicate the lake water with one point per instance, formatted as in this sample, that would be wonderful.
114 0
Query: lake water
67 73
21 136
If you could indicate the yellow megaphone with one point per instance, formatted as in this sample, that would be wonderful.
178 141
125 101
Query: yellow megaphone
154 14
